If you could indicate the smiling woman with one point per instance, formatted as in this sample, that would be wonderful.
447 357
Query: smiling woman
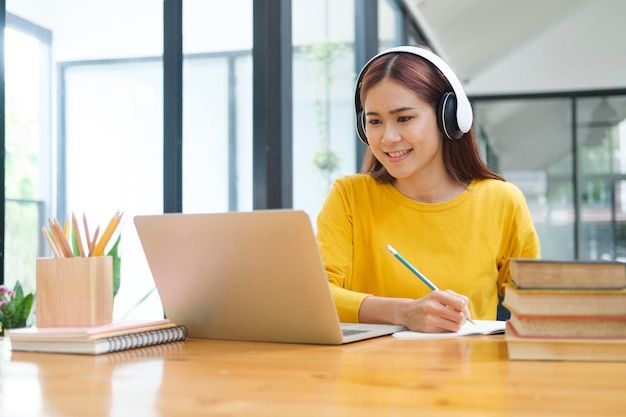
435 90
425 190
403 136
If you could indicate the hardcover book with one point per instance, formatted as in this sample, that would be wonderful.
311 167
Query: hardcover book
539 273
569 325
565 302
563 348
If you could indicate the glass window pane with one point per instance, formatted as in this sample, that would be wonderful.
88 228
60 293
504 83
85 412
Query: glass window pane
205 135
602 175
532 145
324 139
217 106
104 148
27 149
389 18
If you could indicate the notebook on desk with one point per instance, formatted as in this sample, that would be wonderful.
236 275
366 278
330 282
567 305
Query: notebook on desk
252 276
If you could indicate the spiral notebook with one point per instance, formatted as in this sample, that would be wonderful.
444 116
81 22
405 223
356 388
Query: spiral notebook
252 276
114 337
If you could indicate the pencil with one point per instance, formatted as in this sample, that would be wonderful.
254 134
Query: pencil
416 272
92 243
59 238
53 246
87 238
79 241
62 242
66 229
106 235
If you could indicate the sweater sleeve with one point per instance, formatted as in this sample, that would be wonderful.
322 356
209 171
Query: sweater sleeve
335 237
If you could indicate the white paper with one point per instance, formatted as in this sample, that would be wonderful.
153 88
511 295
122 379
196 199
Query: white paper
482 327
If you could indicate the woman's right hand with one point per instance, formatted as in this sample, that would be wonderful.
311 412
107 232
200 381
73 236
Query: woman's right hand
437 312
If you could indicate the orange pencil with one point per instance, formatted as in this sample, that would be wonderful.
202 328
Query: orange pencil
92 243
65 245
59 239
106 235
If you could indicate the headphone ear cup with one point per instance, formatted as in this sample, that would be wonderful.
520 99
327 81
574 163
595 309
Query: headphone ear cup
446 116
360 126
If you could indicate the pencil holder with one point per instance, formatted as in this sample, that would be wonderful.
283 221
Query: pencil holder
74 292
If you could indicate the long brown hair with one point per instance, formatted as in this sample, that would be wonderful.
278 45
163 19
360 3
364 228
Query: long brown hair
461 157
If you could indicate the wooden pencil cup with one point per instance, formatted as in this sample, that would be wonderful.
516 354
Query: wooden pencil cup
74 292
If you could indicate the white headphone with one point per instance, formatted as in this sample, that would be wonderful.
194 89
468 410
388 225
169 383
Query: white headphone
454 112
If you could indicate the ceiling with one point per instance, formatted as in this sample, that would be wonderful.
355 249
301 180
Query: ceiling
531 46
474 35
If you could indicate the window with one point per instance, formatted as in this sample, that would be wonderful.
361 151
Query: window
28 182
323 101
102 152
217 106
566 153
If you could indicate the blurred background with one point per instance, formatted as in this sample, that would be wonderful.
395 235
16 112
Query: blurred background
87 111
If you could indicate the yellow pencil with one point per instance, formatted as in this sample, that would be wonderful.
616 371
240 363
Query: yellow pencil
106 235
66 229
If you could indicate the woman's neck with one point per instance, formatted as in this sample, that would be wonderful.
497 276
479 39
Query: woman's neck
430 190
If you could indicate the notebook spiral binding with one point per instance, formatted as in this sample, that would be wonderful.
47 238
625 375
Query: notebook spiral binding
147 338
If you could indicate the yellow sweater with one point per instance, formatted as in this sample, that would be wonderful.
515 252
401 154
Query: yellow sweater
463 244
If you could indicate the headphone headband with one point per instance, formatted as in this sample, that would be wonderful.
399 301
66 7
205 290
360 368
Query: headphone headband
464 116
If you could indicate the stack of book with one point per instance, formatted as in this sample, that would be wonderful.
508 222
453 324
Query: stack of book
566 310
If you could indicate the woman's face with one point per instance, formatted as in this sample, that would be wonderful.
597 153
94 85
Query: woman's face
402 131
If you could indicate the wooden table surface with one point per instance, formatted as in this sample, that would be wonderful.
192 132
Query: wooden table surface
468 376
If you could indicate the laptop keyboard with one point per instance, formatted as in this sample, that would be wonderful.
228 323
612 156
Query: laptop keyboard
350 332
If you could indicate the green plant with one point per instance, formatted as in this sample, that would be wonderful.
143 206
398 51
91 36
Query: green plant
15 307
117 265
321 57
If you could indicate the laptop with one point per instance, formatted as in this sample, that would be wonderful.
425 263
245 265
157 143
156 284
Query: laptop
250 276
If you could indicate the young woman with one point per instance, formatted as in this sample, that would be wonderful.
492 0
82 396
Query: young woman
425 191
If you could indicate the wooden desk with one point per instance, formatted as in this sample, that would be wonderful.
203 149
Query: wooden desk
468 376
